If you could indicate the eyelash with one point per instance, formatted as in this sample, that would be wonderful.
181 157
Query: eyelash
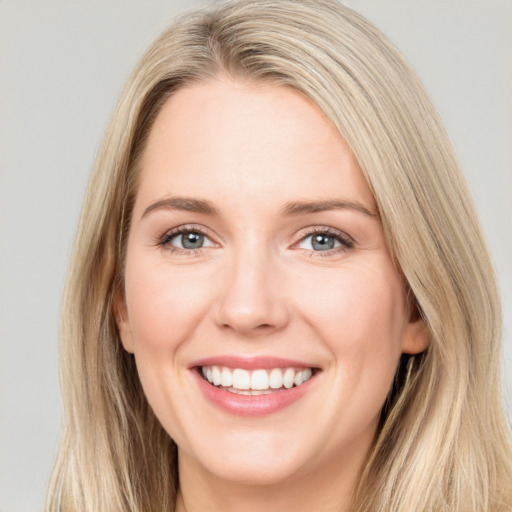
166 238
346 242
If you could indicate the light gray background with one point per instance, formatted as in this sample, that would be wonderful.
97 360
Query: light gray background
62 65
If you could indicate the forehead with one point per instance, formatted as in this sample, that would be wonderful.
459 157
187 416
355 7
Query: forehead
224 137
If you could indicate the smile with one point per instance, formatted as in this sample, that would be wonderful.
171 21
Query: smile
254 386
255 382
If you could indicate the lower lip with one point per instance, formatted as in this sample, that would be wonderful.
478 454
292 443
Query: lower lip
252 405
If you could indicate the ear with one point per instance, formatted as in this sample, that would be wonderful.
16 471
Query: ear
121 318
416 336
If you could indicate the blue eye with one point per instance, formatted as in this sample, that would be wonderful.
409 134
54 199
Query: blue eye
323 241
186 239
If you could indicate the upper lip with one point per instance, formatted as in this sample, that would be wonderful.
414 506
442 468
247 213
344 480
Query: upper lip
251 362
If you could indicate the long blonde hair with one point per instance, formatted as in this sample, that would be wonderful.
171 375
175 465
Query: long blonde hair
443 443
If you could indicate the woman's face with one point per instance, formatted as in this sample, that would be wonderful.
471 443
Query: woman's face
256 257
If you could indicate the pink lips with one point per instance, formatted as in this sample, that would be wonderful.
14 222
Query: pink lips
250 405
250 362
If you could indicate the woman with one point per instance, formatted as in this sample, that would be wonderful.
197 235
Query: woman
280 297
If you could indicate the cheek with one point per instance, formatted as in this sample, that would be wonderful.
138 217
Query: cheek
360 314
356 303
164 305
164 308
360 317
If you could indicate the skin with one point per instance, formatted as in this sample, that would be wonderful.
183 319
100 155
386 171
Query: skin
259 287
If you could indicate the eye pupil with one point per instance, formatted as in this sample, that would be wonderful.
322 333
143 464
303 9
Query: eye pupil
192 240
322 242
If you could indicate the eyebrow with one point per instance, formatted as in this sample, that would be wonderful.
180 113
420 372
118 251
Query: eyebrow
294 208
188 204
304 207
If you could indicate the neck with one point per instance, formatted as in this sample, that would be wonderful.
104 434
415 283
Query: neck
325 488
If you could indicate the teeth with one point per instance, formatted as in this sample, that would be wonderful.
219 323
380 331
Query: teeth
276 378
302 376
288 378
227 378
241 379
248 391
257 382
216 377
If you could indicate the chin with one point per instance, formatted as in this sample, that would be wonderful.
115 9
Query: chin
254 459
244 471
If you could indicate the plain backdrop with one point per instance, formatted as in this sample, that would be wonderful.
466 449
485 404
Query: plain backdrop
63 64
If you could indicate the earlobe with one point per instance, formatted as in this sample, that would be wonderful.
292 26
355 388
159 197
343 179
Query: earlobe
416 337
121 318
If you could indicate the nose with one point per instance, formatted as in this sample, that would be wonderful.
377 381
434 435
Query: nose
253 296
